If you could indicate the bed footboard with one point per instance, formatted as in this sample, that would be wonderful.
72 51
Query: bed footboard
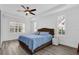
25 47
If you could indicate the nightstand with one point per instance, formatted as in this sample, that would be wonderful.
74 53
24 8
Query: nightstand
55 41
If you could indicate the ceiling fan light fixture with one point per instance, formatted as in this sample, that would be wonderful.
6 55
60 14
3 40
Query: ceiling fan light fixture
27 12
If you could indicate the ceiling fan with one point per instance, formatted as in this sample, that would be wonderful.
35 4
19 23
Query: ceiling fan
27 10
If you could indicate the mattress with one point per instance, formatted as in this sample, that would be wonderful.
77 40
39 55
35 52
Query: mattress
35 41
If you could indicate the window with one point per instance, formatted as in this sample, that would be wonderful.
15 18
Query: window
35 26
17 27
61 25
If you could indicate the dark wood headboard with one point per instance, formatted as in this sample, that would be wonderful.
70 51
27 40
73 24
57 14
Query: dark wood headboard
51 31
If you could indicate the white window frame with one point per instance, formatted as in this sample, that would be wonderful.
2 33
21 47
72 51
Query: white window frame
15 27
61 25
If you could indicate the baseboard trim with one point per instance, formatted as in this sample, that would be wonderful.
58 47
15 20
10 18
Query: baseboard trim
9 40
68 46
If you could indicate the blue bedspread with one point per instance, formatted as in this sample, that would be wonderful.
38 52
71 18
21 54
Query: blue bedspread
34 41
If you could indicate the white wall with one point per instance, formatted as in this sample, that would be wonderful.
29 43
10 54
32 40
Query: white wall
46 22
5 19
0 28
71 37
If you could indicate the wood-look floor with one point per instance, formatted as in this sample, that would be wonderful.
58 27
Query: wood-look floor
13 48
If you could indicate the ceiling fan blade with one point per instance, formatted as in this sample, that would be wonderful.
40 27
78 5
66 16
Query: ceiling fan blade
33 10
32 13
23 6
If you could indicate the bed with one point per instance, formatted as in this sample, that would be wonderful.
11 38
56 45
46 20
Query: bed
36 41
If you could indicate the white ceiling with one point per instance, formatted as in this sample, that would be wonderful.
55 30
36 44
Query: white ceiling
12 8
41 8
